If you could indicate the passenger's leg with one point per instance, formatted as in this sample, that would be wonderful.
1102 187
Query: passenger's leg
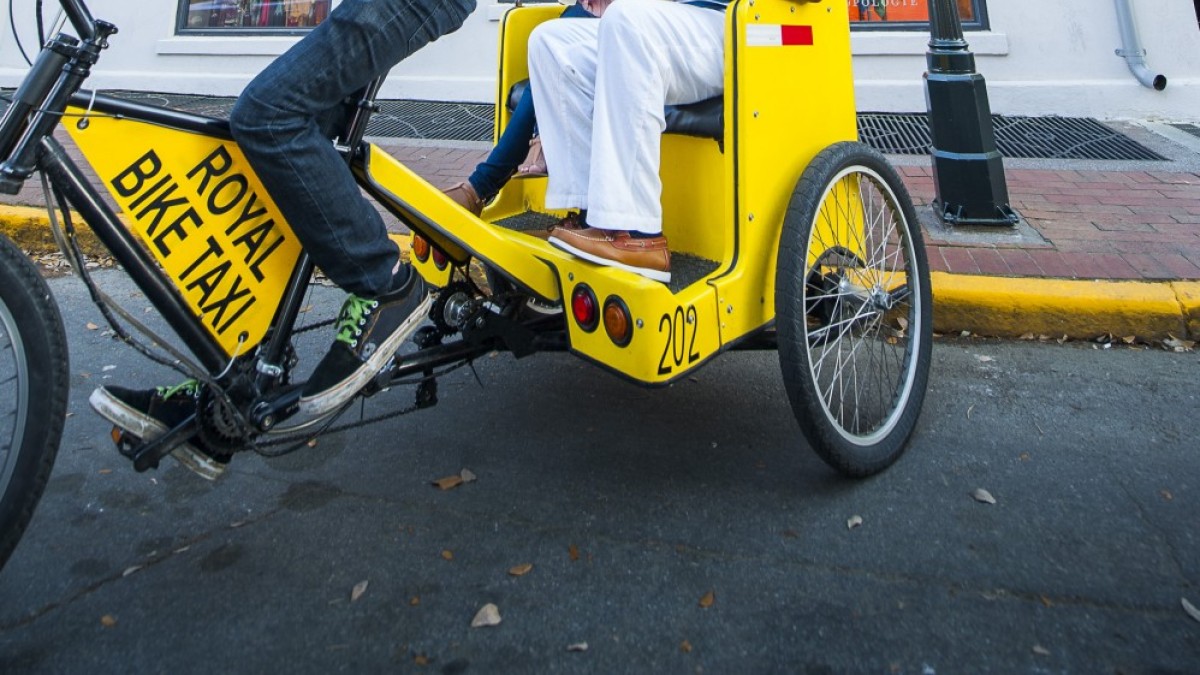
651 53
562 71
511 148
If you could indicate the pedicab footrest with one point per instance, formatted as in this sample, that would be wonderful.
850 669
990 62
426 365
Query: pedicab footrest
704 119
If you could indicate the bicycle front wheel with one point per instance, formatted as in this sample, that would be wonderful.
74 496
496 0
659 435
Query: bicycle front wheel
853 304
33 391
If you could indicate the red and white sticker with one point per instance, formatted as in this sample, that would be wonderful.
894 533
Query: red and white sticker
776 35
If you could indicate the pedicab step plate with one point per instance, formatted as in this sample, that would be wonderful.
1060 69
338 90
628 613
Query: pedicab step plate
685 269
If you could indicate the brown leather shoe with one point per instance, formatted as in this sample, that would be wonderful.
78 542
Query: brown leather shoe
464 195
648 256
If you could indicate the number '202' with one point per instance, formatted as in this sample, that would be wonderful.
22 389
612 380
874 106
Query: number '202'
679 343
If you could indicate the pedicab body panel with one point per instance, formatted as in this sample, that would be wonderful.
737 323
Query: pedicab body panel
788 94
199 209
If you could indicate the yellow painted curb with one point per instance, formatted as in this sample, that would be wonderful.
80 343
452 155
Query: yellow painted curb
1011 307
29 228
1188 293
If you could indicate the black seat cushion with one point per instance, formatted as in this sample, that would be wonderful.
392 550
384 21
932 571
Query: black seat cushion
705 119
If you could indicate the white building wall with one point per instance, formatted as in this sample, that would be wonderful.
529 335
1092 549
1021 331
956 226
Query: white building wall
1038 58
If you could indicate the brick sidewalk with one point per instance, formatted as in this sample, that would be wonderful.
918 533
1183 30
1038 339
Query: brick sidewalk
1097 225
1129 225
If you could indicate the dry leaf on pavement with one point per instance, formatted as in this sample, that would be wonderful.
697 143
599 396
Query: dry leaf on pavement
488 615
358 590
108 620
573 551
854 522
983 496
1190 609
1175 344
448 482
708 599
521 570
447 554
685 647
92 326
414 600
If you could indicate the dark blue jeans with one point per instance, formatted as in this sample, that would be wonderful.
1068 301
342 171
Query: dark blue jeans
284 119
513 146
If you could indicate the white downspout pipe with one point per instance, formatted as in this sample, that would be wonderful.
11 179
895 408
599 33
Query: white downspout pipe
1132 51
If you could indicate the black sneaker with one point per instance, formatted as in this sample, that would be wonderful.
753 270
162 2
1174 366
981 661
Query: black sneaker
369 331
150 413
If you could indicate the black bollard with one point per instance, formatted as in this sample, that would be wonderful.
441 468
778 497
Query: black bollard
968 171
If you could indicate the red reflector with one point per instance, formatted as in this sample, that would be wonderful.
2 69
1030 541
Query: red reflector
583 307
439 259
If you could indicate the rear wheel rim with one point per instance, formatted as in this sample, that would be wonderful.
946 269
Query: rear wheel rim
862 347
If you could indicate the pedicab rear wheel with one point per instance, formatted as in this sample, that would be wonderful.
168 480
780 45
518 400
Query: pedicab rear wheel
853 309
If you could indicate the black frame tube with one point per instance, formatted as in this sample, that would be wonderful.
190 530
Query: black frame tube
80 18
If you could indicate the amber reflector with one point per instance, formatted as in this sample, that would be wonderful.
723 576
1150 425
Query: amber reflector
616 321
420 248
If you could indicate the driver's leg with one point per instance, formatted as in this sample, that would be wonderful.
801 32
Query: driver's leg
276 123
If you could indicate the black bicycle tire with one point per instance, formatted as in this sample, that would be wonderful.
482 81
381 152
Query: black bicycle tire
830 443
43 349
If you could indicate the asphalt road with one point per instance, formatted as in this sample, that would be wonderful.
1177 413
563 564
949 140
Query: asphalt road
637 508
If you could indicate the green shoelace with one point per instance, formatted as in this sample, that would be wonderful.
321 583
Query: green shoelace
352 317
187 388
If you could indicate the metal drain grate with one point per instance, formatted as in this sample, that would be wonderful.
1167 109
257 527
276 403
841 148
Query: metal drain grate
433 120
1024 137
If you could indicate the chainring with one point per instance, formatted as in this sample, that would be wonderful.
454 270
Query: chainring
223 430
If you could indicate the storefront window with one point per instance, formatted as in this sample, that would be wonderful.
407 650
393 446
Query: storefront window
251 15
909 14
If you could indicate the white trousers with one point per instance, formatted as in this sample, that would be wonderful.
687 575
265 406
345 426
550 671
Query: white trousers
599 87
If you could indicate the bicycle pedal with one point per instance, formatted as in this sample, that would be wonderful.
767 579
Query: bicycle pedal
130 446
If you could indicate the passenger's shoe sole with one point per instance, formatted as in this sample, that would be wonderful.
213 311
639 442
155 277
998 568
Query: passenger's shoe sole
147 428
336 396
